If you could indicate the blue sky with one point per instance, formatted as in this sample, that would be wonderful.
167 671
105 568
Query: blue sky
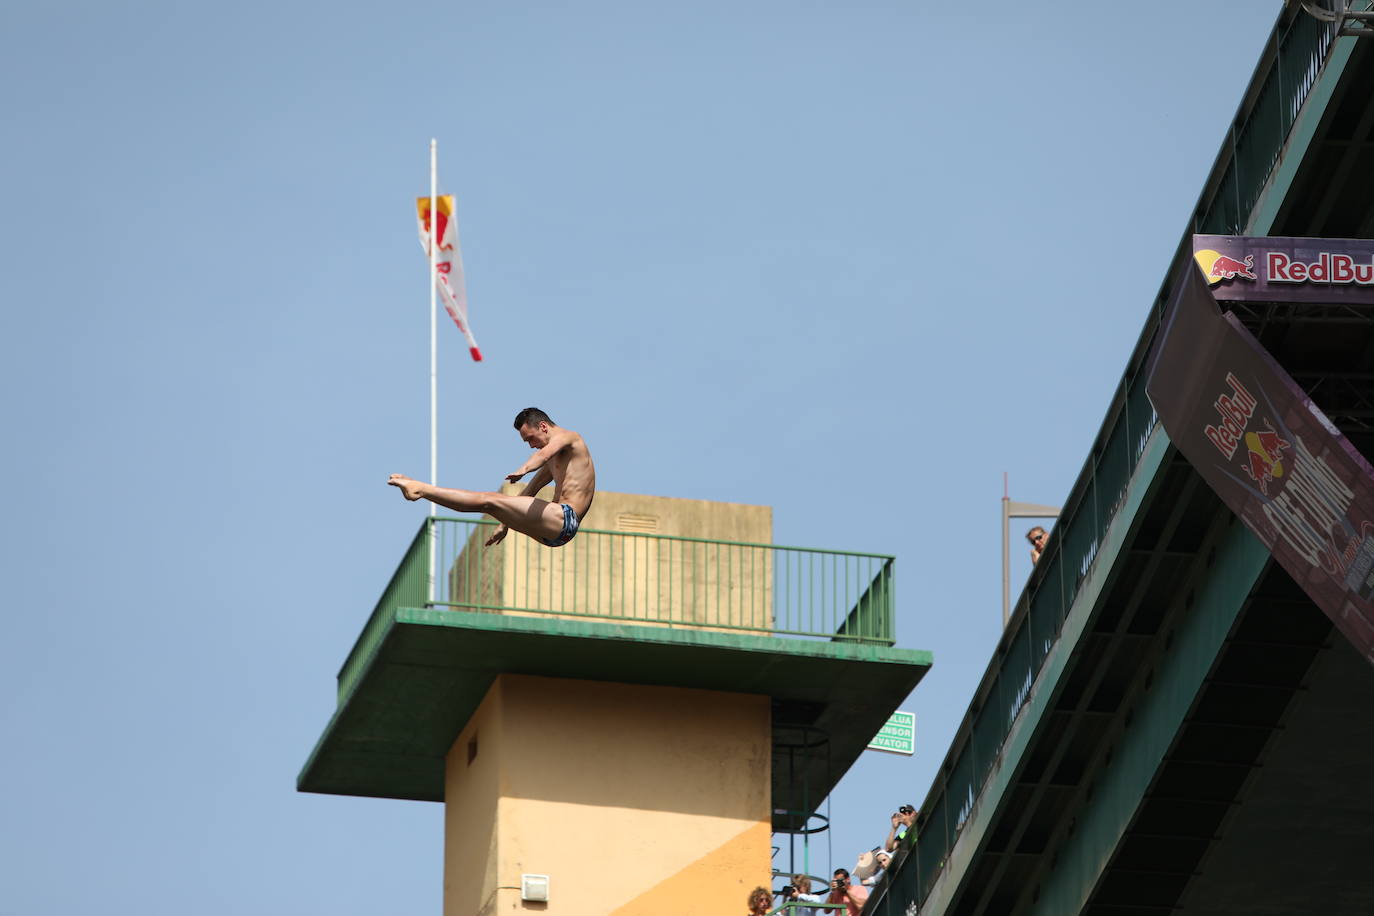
849 260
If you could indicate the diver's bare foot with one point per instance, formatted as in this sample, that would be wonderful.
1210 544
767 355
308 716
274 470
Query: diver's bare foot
410 489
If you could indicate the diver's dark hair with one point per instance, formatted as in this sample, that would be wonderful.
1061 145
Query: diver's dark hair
532 416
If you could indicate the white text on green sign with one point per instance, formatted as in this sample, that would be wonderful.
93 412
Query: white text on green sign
897 736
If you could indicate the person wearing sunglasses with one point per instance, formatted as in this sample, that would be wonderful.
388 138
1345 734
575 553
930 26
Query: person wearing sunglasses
1037 537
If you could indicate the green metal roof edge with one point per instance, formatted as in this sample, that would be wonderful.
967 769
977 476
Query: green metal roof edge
687 636
325 734
561 626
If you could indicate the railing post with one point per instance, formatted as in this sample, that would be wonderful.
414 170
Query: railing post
431 560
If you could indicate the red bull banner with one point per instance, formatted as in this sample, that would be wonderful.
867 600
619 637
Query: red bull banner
1271 455
1259 269
448 263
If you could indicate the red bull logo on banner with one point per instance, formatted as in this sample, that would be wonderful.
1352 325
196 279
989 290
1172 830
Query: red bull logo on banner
1327 268
1217 266
1242 268
1236 409
1264 448
1261 444
1266 451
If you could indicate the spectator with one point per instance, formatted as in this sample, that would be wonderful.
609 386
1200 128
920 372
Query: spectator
760 900
1037 537
902 824
865 866
883 860
801 893
841 891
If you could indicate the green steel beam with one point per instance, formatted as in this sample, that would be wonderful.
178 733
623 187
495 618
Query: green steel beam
983 816
1122 782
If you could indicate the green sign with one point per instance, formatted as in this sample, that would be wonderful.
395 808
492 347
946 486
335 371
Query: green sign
898 736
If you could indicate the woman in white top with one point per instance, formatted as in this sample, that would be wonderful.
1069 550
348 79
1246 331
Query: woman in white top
883 861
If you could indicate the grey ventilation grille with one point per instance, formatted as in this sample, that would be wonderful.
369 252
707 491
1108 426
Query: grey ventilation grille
630 521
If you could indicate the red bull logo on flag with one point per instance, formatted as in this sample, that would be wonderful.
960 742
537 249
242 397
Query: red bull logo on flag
448 263
443 227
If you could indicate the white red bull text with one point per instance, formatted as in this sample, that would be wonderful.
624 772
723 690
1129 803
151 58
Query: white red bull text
1236 409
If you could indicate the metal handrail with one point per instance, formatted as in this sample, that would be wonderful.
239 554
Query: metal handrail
798 906
641 578
676 537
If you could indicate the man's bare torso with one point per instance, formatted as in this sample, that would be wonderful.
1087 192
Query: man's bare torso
574 475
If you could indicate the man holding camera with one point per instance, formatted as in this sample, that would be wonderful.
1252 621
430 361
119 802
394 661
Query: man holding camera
903 822
841 891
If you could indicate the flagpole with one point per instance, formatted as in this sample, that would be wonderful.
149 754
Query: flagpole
433 350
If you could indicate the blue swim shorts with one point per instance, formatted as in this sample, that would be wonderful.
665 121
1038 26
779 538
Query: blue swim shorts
570 524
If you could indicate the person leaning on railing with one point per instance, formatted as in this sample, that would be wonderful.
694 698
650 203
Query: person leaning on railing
799 891
760 899
883 860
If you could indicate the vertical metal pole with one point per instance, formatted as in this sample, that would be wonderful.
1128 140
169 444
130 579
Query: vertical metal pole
433 351
1006 552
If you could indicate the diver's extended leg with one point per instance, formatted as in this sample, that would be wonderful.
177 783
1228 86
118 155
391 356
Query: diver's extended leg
530 515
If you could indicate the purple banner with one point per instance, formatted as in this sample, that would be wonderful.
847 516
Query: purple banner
1259 269
1270 454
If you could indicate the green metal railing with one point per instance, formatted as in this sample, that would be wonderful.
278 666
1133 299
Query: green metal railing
1069 557
1291 63
640 578
798 908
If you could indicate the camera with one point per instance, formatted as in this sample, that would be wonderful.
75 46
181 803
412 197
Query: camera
789 891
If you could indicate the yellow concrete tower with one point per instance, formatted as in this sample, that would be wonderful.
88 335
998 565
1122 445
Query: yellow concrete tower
601 720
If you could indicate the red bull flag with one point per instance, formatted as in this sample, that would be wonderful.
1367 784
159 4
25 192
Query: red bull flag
448 264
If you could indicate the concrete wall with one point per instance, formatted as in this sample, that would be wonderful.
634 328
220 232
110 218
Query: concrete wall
471 802
634 574
636 801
